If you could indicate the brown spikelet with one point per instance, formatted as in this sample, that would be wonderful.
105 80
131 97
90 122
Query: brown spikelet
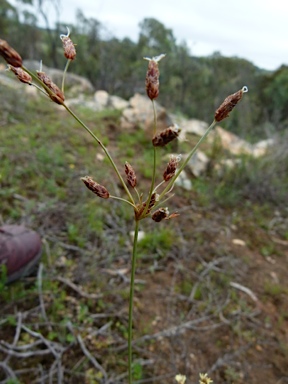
131 175
166 136
228 104
23 76
54 92
152 202
152 80
10 55
141 208
152 77
160 214
96 188
68 46
171 167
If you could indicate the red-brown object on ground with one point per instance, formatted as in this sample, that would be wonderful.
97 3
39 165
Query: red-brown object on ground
20 250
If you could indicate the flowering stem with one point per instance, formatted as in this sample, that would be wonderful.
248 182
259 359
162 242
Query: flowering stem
155 153
104 149
120 198
131 297
64 74
172 181
154 162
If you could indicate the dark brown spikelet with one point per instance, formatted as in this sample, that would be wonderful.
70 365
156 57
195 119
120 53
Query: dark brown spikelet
228 104
23 76
96 188
54 92
141 208
152 202
152 77
166 136
160 214
10 55
131 175
171 167
68 46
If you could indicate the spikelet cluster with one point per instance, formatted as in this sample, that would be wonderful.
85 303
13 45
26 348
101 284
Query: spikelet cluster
171 167
68 46
10 55
228 104
23 76
160 214
96 188
166 136
130 175
152 76
54 92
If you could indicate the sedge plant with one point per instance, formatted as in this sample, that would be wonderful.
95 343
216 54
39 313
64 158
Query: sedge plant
149 204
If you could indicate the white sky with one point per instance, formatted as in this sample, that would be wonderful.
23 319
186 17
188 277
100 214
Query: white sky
251 29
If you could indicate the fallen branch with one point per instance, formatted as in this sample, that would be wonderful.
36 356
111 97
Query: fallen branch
79 290
244 289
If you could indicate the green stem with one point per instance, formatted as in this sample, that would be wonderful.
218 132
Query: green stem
131 297
64 74
172 181
124 200
154 163
104 149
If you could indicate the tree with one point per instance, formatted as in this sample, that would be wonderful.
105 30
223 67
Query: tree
155 38
8 18
275 96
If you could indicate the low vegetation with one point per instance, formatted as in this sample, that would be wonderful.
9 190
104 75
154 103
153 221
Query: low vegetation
211 292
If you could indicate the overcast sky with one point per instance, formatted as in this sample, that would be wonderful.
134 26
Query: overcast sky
251 29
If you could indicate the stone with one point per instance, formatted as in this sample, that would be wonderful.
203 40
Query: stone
226 164
231 142
262 147
116 102
140 113
191 126
198 164
101 99
183 181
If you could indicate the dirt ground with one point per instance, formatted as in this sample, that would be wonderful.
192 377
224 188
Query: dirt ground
214 302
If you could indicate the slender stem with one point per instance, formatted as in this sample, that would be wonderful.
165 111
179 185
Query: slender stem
120 198
154 163
104 149
39 89
137 193
155 118
172 181
64 74
159 185
131 297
